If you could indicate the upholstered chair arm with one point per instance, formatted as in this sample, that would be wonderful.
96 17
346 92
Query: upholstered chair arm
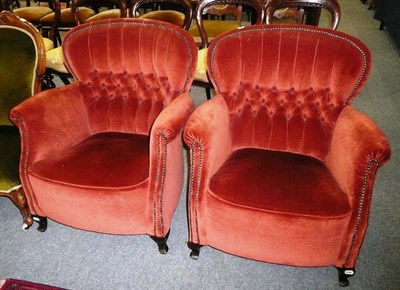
166 161
208 137
50 121
358 149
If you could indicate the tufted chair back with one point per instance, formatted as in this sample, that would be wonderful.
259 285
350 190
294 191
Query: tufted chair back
282 166
276 99
109 146
119 71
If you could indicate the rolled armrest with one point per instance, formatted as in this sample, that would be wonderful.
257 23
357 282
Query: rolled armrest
207 133
53 119
172 119
357 144
358 149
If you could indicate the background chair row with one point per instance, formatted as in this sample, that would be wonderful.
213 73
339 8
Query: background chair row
281 166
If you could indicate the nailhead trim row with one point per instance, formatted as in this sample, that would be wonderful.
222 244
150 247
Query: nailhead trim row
187 80
266 28
162 142
361 206
195 203
25 165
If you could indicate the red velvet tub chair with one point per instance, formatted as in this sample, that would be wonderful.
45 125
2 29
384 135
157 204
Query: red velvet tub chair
281 165
105 153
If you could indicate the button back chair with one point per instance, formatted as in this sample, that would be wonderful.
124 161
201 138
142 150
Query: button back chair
207 29
22 65
282 166
307 11
105 153
178 12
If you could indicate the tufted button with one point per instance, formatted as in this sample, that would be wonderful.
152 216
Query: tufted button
257 87
247 100
271 113
322 119
317 103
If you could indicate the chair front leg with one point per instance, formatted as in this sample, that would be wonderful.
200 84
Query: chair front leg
17 196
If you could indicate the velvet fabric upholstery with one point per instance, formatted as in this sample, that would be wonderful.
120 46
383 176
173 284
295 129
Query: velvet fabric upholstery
281 166
105 153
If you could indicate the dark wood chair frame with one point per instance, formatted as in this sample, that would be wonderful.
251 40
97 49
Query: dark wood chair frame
309 10
17 194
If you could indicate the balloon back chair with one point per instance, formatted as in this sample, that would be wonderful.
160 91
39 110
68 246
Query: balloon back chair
22 65
305 11
281 165
105 153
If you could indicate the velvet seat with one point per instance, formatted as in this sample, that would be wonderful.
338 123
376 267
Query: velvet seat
105 153
22 65
282 166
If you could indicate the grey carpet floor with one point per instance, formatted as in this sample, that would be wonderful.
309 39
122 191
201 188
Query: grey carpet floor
76 259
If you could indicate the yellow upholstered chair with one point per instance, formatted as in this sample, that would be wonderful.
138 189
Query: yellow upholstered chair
22 64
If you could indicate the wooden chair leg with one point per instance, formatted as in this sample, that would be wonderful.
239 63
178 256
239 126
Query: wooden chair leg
17 196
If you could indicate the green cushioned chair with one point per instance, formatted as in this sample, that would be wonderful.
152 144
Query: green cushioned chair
22 64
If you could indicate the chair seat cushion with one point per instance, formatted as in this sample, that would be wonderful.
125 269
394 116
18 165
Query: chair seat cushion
48 44
201 70
214 27
32 14
106 14
170 16
54 60
280 182
66 18
103 160
10 144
